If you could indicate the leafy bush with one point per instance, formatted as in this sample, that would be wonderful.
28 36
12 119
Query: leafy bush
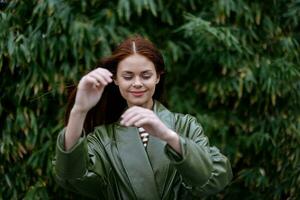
234 65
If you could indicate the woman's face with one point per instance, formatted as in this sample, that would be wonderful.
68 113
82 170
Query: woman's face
137 78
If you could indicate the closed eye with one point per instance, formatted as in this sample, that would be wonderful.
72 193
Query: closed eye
146 75
127 77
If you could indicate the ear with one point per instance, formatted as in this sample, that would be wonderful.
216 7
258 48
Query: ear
116 82
157 78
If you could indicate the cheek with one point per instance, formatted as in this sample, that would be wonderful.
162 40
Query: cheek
151 84
123 92
123 83
123 87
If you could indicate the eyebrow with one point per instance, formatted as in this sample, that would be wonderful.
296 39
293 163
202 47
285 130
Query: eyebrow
127 72
130 72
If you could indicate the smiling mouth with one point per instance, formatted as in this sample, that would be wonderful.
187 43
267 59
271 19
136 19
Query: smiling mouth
137 93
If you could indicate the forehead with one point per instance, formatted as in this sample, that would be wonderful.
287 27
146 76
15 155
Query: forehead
135 63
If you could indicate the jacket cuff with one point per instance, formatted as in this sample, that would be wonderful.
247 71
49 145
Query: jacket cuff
193 164
175 157
71 164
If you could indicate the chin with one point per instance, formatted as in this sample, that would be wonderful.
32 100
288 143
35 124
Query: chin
137 103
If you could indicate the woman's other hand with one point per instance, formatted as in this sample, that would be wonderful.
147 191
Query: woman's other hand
143 117
90 89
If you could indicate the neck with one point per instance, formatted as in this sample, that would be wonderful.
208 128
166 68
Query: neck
149 104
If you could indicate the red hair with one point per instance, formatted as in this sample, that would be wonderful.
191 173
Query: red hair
112 104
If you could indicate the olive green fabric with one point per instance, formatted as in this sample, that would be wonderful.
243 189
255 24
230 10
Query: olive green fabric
112 163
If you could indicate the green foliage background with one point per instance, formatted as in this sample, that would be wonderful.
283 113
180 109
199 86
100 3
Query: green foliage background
233 64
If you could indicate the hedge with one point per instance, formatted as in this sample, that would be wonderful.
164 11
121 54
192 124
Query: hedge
232 64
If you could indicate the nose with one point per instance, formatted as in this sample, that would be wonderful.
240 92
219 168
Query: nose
137 82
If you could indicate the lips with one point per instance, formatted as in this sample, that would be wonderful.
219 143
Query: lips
137 93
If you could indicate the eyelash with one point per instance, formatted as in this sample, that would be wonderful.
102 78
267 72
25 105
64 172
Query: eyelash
145 77
127 78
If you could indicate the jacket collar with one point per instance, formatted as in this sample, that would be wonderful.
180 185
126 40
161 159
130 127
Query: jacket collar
146 171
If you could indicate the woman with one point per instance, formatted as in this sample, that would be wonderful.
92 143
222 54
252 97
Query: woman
137 149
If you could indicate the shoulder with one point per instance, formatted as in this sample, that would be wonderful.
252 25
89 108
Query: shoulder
187 125
103 134
186 119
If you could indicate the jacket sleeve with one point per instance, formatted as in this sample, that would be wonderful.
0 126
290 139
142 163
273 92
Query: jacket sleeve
203 168
78 169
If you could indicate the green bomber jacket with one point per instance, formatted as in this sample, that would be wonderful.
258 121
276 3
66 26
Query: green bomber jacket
112 163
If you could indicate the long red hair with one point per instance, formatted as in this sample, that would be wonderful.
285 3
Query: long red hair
112 104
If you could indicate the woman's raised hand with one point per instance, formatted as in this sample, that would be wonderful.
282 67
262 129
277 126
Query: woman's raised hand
90 89
89 92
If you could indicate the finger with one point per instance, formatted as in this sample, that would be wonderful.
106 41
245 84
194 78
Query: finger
141 122
105 70
92 80
100 79
127 112
128 117
135 109
131 121
132 111
105 75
